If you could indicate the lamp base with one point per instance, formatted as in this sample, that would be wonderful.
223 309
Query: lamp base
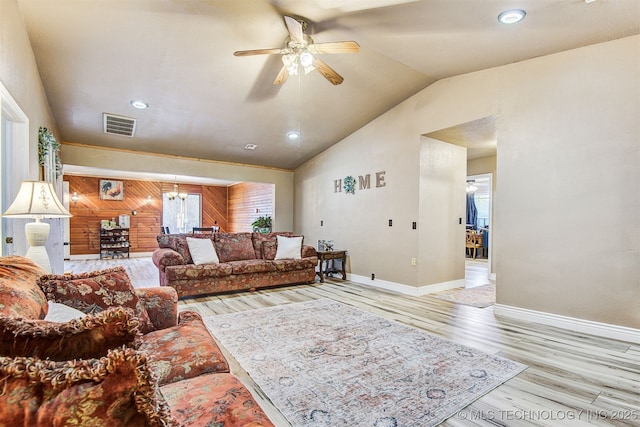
37 234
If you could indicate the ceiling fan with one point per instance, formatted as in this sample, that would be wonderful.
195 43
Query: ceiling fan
299 53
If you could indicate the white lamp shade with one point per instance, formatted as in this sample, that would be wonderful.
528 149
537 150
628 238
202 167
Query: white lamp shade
36 199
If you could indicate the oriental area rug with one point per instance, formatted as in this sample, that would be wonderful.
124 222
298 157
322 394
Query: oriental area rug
480 296
323 363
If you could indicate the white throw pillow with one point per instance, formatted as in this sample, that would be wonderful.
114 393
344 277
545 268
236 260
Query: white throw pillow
62 313
202 251
289 247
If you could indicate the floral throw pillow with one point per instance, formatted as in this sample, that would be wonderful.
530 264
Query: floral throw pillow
96 291
89 337
20 295
117 390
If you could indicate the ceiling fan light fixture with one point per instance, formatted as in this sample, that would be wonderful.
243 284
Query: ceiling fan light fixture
511 16
306 59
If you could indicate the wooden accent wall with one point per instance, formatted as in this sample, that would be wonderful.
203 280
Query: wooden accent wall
247 201
215 207
145 225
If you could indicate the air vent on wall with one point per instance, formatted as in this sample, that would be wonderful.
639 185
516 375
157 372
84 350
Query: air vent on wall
119 125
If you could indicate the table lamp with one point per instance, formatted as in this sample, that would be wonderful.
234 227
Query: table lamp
37 199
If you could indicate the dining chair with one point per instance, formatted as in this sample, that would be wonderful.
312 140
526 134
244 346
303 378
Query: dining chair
203 230
473 242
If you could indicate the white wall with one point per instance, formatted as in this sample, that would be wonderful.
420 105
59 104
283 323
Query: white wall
567 219
19 74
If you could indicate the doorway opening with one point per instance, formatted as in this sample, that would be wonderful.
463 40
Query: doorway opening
478 257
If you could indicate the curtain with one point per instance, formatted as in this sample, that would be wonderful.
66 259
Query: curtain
472 211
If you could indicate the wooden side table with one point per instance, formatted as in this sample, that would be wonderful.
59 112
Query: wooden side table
323 266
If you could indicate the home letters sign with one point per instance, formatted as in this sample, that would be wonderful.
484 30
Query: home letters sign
348 183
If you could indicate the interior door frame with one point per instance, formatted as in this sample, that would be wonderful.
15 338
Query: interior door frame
14 167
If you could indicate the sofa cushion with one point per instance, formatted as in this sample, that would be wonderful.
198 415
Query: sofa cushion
20 295
178 243
96 291
260 238
198 272
190 402
116 390
234 246
289 247
293 264
251 266
183 351
202 251
161 303
269 250
88 337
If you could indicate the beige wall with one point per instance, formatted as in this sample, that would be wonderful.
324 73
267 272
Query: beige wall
82 155
566 221
442 213
481 166
19 75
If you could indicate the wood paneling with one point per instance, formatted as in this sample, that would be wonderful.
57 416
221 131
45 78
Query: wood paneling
214 207
145 225
247 201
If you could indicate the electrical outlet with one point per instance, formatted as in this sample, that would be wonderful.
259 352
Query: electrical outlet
373 276
414 261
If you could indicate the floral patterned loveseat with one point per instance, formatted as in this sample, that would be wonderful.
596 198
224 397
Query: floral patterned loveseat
126 358
247 261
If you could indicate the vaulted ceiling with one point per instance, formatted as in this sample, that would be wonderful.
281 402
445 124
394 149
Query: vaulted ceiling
95 56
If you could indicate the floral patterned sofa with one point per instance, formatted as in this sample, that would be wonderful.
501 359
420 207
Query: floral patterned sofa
126 358
247 261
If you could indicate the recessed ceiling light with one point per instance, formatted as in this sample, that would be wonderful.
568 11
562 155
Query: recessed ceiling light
140 105
512 16
250 147
293 135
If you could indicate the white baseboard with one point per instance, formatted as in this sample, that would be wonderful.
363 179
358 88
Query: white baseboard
605 330
406 289
96 256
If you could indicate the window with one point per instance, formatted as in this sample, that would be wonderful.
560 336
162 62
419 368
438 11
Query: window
482 205
181 215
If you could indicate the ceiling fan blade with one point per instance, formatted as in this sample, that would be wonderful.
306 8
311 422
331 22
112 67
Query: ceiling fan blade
328 72
282 76
257 52
334 47
295 29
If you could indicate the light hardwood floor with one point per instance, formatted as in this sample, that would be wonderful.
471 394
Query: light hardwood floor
572 379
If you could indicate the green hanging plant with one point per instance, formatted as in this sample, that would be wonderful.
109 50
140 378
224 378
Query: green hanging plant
47 145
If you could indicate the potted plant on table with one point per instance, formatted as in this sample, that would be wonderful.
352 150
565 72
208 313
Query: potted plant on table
262 224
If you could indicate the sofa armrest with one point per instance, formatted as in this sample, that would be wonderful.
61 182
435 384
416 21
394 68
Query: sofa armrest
309 251
164 257
161 304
